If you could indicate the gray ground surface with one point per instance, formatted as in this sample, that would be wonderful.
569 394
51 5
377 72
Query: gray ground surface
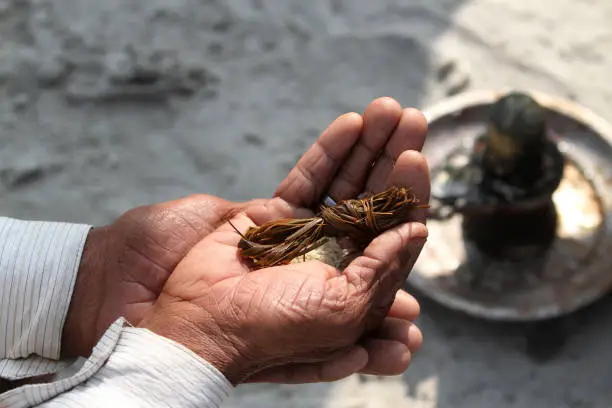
107 105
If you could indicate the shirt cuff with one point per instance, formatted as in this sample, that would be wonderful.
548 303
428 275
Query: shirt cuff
39 262
131 367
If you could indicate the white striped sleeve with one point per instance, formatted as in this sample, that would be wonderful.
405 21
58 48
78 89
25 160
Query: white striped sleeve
130 367
38 266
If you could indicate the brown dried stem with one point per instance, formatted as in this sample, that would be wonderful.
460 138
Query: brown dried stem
361 220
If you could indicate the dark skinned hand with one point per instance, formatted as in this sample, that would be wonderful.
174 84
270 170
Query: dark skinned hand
126 264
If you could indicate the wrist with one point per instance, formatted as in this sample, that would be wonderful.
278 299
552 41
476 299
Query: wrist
203 337
79 331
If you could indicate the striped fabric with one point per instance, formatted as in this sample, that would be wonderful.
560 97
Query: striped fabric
129 367
38 266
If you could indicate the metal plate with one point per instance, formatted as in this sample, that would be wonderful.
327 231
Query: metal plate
575 272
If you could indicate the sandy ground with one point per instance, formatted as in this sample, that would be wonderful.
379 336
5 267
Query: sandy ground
107 105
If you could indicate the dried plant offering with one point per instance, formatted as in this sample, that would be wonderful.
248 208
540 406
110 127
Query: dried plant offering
357 221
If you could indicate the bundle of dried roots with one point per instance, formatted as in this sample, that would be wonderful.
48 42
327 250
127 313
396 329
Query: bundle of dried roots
360 220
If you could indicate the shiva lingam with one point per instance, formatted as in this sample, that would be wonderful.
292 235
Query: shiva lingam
520 206
503 184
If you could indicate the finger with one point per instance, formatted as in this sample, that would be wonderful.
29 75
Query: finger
392 250
411 170
195 216
340 367
391 347
275 209
409 134
386 357
405 307
401 331
229 232
390 354
375 277
313 173
379 121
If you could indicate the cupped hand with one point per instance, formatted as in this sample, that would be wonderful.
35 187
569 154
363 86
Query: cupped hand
126 264
310 322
